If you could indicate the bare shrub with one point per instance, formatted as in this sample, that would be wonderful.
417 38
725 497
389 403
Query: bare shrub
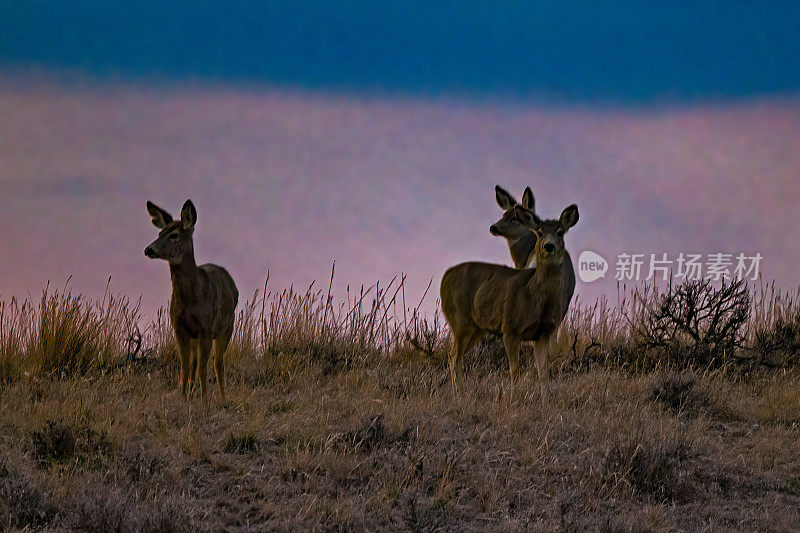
695 323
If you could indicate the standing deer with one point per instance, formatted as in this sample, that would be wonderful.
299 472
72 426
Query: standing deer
204 298
520 305
522 241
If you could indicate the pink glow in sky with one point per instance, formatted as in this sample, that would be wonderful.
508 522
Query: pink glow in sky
289 182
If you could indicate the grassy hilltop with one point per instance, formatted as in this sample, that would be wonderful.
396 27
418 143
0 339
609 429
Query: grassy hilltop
675 409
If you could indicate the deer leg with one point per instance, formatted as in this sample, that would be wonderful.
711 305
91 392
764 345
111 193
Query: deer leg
541 349
512 343
455 354
460 342
193 343
468 341
473 340
202 369
185 349
220 345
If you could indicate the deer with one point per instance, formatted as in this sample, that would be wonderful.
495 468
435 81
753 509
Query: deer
522 241
519 305
203 305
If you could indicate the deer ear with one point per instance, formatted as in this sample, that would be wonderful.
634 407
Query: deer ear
188 215
160 217
504 199
569 217
527 199
526 216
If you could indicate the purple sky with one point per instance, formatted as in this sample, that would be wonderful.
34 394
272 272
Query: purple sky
289 181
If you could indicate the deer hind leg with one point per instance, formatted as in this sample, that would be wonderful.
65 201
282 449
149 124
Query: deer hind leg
461 341
185 348
202 368
455 355
541 350
512 344
220 345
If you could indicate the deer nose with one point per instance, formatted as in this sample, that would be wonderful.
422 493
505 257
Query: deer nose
493 229
149 252
550 247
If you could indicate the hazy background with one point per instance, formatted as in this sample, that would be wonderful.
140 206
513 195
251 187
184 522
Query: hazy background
373 134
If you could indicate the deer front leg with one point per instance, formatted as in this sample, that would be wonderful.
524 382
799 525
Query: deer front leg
185 348
512 343
541 350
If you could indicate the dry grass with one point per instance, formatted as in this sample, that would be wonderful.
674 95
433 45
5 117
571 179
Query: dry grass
64 334
341 417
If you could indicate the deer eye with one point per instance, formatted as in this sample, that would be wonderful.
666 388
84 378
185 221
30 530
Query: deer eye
560 233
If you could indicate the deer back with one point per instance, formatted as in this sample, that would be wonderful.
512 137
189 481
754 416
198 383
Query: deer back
481 293
223 297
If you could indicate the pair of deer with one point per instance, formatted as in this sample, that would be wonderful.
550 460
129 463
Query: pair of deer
522 304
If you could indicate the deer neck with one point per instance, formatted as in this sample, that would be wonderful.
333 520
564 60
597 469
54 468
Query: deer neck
549 276
522 251
185 277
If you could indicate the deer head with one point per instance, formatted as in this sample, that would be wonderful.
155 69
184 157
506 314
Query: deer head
549 233
174 240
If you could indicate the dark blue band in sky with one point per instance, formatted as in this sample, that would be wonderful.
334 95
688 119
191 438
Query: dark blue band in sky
624 52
